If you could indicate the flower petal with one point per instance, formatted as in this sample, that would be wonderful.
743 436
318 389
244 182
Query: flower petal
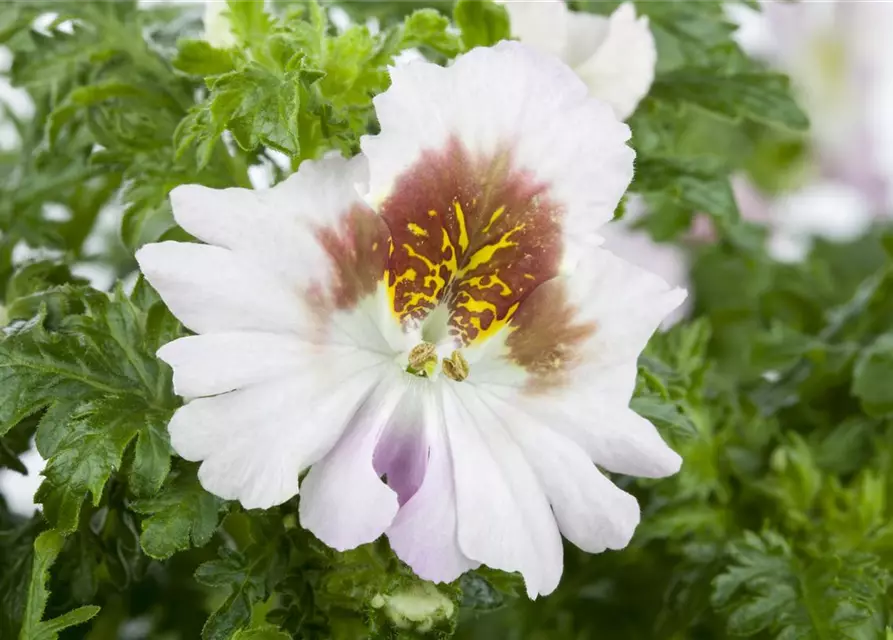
564 140
254 442
276 227
424 533
591 511
215 363
401 454
213 289
285 259
578 338
344 503
504 519
621 71
586 32
542 25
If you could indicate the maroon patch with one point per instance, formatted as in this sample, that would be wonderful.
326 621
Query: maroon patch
546 339
476 234
358 249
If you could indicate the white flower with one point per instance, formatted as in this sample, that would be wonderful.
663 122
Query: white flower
841 63
666 259
445 383
17 489
218 32
614 56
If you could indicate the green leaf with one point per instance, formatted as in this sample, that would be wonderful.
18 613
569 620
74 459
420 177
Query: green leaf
101 388
181 516
92 448
259 107
428 28
249 23
199 58
757 95
267 632
249 575
482 23
873 377
769 588
46 549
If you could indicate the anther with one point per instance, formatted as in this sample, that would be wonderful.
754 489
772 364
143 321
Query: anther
422 359
455 367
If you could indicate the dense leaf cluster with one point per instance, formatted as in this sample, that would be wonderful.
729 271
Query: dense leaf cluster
777 394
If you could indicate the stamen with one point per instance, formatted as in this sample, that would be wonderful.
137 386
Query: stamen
422 359
455 367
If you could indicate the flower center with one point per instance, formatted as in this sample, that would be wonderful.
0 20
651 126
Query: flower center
422 362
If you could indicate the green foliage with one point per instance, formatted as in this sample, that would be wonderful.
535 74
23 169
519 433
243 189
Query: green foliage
100 387
482 22
828 597
46 549
776 394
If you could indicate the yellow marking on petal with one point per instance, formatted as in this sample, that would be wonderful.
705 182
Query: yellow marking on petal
486 253
463 231
375 246
494 218
416 230
530 276
432 213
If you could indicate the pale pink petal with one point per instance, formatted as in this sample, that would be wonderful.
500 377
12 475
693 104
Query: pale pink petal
424 533
344 502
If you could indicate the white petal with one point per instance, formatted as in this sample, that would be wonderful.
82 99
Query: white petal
213 289
565 140
344 503
504 519
622 69
592 513
579 337
216 363
618 439
424 533
254 442
275 228
624 302
542 25
586 33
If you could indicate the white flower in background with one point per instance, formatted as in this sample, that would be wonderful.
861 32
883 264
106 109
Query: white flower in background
666 259
826 209
445 380
18 490
218 32
614 56
840 58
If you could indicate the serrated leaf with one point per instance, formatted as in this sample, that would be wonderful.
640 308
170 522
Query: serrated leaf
183 515
46 549
92 448
200 58
757 95
428 28
101 388
482 23
249 575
